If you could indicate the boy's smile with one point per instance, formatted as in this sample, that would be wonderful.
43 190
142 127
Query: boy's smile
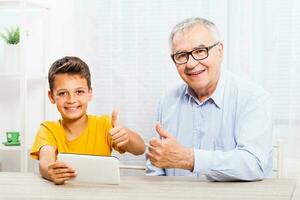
71 96
71 110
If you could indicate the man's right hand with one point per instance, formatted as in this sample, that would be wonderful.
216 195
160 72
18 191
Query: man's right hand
167 152
60 172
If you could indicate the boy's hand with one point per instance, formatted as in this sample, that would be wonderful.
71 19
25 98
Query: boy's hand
120 135
60 172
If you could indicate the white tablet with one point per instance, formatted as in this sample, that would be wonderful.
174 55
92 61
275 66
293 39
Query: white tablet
93 169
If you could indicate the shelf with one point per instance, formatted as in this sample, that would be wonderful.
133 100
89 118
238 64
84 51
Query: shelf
9 148
10 76
13 4
37 77
25 86
19 76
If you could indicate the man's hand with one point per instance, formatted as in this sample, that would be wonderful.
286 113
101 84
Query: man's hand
168 153
60 172
120 135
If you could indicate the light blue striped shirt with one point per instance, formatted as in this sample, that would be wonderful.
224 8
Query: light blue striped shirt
230 132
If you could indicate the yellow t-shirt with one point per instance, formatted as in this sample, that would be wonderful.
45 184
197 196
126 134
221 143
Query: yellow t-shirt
94 139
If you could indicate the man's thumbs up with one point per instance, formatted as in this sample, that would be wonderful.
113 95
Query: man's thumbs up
114 118
168 153
162 132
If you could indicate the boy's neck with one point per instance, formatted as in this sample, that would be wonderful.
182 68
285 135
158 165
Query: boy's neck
73 128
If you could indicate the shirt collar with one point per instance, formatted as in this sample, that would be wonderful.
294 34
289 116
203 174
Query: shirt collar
189 94
217 97
218 94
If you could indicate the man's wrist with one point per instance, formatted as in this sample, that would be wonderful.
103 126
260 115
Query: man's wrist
188 161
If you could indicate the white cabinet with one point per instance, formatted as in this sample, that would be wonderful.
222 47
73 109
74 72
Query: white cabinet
22 102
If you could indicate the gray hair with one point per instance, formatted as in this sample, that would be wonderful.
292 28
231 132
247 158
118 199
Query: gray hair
190 22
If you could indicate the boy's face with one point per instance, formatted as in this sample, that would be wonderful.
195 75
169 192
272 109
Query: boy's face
71 96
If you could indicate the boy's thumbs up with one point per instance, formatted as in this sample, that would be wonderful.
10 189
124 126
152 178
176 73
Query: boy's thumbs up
114 118
163 133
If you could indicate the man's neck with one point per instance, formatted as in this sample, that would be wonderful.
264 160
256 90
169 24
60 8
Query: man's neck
207 92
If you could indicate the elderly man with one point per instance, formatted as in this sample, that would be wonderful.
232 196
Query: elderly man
216 124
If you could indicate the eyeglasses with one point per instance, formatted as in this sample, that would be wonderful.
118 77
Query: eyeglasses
198 54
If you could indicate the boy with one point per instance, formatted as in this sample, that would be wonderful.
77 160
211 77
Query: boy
70 89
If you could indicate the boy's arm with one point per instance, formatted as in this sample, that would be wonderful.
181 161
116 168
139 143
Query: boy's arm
57 172
136 144
124 138
127 140
46 157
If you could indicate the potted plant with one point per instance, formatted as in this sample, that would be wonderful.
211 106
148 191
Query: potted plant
12 36
11 50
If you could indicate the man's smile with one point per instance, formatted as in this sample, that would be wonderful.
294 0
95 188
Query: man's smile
195 73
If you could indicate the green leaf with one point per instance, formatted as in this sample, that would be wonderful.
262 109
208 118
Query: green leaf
12 36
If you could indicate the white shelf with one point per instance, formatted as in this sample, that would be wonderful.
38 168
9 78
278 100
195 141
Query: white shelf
19 76
16 4
28 83
10 75
37 77
9 148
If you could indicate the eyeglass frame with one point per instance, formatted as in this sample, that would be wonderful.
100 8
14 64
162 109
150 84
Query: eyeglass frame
191 53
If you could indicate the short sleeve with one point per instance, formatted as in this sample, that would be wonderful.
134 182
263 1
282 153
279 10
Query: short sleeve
43 137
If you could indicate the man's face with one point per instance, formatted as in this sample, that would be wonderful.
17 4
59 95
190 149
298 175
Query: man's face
201 75
71 96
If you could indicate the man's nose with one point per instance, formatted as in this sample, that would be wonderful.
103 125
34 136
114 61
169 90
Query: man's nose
191 63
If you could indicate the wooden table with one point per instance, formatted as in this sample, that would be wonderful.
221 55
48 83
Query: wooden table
31 186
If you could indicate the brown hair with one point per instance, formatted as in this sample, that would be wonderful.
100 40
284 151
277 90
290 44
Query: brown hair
69 65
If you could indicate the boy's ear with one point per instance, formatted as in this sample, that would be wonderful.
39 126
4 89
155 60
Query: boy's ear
51 98
90 94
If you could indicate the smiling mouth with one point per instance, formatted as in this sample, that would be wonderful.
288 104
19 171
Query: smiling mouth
195 73
73 108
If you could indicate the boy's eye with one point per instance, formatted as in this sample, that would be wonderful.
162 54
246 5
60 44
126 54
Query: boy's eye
80 92
62 94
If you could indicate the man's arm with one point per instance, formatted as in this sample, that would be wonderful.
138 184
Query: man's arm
153 170
57 172
252 157
250 160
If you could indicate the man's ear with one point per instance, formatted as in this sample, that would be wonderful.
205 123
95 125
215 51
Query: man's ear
221 51
51 97
90 97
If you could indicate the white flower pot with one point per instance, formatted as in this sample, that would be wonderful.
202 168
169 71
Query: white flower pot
11 59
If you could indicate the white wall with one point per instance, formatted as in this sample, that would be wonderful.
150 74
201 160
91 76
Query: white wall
125 43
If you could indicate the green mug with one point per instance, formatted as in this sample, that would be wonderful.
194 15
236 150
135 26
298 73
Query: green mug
12 137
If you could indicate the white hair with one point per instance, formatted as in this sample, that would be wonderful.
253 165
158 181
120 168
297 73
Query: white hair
190 22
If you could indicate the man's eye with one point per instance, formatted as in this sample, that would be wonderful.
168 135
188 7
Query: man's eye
199 51
180 56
